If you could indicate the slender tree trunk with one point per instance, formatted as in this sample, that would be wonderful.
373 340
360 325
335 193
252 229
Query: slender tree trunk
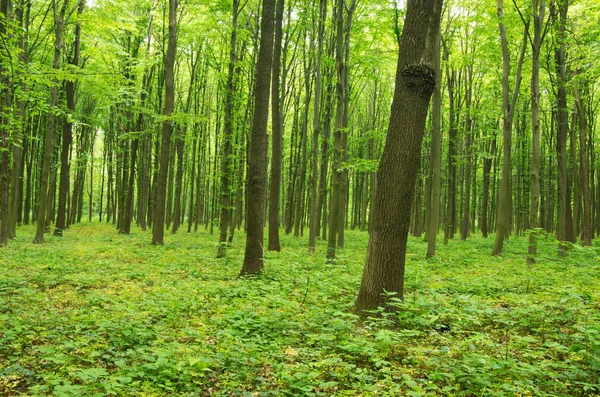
469 132
504 197
15 199
158 226
300 190
314 219
67 131
59 23
487 167
564 204
337 204
573 177
450 224
539 9
436 154
344 180
179 150
91 184
583 161
277 136
5 130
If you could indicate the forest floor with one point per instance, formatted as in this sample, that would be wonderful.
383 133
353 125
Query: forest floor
96 313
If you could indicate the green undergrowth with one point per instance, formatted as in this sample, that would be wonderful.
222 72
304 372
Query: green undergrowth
96 313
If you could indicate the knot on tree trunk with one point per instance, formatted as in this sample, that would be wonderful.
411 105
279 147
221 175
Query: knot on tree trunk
419 77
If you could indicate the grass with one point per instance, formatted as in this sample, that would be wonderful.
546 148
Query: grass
96 313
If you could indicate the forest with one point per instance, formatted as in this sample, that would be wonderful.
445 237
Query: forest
299 198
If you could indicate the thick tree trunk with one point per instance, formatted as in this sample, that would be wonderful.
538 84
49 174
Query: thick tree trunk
257 161
415 82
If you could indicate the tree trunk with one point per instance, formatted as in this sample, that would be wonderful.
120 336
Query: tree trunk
59 23
583 161
564 204
158 226
277 136
539 9
314 218
257 161
415 82
15 199
67 138
337 203
436 154
5 131
300 191
504 196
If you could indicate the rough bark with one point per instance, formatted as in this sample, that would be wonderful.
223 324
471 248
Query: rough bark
257 161
415 82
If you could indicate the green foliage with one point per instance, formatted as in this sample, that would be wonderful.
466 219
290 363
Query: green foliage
98 314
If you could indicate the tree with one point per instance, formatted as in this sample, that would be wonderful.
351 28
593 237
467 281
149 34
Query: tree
539 32
226 169
436 155
508 104
564 226
340 134
257 161
277 136
67 133
314 222
583 161
15 204
158 227
398 168
60 19
5 122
